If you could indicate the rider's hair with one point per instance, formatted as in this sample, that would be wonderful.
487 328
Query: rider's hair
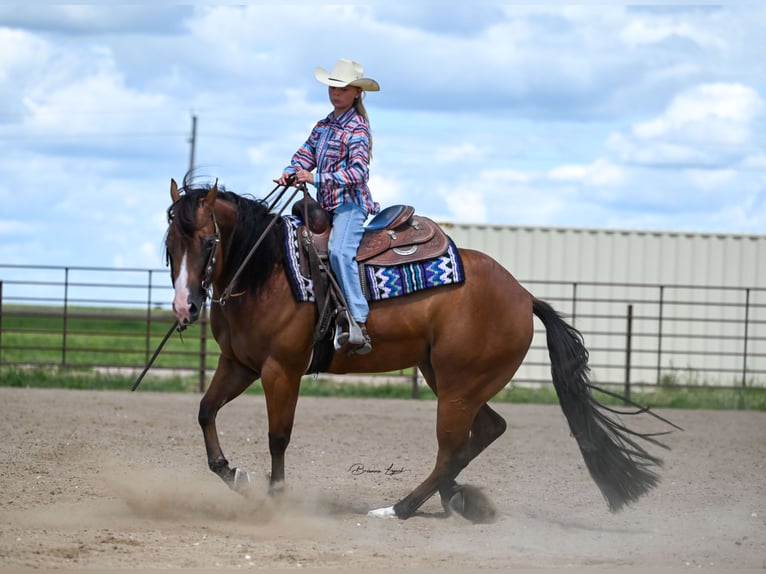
362 111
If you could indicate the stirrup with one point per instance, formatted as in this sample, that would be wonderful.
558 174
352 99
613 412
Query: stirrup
351 337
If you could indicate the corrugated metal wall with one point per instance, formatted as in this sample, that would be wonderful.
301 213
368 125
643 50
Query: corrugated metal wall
703 287
581 255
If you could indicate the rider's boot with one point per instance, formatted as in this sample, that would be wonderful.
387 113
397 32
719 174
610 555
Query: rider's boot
351 337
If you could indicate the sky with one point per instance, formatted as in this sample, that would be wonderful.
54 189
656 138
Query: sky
588 115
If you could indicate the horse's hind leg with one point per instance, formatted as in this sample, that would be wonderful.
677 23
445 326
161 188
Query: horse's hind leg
487 427
464 428
228 383
455 415
453 423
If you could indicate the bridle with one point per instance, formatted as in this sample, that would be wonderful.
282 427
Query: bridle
212 242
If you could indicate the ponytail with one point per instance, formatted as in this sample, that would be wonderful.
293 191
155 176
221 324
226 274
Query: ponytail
362 111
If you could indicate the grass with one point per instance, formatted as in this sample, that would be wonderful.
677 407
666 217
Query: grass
661 397
113 337
34 337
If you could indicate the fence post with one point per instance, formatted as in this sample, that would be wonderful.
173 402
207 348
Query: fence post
659 335
628 351
415 389
203 348
747 325
148 346
1 322
574 303
65 318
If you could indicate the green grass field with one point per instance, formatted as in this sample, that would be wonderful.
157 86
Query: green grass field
663 397
96 337
31 355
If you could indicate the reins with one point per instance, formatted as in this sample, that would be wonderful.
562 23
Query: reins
230 287
150 362
211 262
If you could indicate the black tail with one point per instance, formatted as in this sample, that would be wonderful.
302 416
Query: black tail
621 468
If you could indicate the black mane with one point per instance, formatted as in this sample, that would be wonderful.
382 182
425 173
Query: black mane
253 216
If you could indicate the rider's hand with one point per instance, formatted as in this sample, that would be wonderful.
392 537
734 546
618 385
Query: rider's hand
286 178
304 176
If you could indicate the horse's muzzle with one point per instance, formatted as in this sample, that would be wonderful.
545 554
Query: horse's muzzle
187 314
194 311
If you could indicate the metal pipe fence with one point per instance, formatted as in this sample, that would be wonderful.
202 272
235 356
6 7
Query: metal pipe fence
637 334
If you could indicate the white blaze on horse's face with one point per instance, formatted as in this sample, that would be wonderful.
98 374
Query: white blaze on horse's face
181 299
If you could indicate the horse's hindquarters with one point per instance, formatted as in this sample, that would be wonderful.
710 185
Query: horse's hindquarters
480 328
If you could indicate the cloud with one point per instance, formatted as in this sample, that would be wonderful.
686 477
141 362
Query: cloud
560 115
722 112
657 27
711 179
90 18
13 228
96 103
387 190
466 205
705 125
21 54
459 153
450 18
599 173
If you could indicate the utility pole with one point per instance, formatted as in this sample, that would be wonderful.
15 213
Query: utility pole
193 142
203 315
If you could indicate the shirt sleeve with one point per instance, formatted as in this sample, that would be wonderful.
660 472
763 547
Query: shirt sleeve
305 157
355 171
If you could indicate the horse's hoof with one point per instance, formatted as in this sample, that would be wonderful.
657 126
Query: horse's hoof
472 504
241 481
387 512
277 489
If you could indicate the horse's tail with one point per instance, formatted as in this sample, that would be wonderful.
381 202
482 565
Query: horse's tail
621 468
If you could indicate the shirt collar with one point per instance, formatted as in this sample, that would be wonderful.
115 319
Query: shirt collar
344 117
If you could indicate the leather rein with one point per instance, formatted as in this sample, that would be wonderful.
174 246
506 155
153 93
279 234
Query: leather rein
207 280
212 259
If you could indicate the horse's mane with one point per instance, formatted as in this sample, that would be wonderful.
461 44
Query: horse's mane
253 216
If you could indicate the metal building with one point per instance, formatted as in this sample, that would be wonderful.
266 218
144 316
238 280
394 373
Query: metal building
697 301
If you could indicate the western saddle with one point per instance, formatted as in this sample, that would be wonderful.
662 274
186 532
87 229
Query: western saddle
395 236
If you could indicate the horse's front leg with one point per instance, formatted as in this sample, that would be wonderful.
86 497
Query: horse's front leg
281 388
228 382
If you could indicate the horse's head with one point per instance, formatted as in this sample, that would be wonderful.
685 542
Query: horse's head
192 247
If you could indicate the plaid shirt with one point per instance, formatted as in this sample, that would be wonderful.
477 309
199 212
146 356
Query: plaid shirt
339 149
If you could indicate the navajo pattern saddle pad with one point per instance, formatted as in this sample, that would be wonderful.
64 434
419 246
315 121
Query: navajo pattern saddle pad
378 283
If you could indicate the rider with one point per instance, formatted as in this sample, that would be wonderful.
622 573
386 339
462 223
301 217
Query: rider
339 147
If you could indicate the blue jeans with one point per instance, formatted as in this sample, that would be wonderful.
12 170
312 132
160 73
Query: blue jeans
347 230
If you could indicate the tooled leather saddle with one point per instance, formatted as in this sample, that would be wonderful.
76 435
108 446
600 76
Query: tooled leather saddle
395 236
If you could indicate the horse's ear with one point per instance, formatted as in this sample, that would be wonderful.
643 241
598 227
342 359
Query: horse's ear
174 195
212 194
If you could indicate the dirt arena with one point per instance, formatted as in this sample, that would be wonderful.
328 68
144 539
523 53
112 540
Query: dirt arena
119 480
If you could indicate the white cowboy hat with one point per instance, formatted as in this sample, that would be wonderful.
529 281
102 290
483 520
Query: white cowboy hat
346 73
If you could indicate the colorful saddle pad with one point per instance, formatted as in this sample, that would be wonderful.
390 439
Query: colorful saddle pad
378 282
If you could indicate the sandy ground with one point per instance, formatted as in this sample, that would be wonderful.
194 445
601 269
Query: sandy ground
118 480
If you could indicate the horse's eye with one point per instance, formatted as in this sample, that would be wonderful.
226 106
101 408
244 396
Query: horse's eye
209 242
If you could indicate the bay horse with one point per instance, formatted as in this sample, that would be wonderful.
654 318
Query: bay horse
467 340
